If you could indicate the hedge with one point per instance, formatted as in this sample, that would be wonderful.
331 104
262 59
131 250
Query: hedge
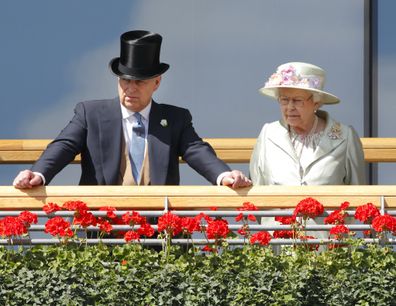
132 274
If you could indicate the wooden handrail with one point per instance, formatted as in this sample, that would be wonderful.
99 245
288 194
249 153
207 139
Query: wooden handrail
231 150
194 197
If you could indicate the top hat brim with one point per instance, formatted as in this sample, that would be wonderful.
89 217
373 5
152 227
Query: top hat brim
326 98
136 74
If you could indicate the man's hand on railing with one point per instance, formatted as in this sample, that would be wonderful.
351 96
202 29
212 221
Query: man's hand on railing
235 179
27 179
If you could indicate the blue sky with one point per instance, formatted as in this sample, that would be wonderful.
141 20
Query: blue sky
55 54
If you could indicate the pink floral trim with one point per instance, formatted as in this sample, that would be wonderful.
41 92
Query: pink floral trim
289 77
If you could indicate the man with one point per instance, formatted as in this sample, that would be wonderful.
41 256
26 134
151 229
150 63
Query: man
131 140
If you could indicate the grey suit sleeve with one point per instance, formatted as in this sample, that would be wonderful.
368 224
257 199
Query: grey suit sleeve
69 143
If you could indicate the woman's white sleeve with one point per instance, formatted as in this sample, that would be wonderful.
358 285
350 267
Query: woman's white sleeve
356 172
256 166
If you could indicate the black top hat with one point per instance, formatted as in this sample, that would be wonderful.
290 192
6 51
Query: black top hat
139 57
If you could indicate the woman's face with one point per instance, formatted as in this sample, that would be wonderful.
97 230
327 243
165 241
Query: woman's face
298 108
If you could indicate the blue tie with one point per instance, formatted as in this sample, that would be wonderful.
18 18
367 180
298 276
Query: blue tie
136 149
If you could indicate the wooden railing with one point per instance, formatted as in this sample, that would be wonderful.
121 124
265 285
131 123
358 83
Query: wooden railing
195 197
231 150
190 201
154 199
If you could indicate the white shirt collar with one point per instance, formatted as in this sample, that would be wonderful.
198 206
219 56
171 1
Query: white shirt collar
126 113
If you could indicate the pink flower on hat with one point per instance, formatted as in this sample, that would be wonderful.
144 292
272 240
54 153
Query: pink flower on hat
301 76
289 76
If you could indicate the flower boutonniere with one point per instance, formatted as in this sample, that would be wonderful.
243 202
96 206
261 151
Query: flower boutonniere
164 123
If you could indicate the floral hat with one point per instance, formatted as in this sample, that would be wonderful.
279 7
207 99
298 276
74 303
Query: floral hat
298 75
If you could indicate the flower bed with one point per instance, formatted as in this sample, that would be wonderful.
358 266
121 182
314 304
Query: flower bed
133 275
73 273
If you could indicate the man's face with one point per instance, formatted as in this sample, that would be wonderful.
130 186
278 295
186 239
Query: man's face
135 95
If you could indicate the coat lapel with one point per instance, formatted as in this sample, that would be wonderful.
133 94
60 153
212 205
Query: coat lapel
332 138
279 136
110 140
159 142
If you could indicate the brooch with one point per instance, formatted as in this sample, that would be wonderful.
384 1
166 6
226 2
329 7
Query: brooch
335 131
164 123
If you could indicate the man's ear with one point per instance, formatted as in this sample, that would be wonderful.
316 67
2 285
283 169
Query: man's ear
157 82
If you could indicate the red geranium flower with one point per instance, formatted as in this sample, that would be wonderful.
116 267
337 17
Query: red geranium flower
12 226
339 231
239 217
384 223
338 216
146 230
131 235
263 238
189 225
169 223
217 229
57 226
366 213
208 248
247 206
28 218
51 207
133 218
286 220
85 219
118 221
249 217
105 226
75 205
308 208
201 216
244 231
110 211
283 234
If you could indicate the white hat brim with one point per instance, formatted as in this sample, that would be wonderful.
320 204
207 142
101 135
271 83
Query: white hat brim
326 98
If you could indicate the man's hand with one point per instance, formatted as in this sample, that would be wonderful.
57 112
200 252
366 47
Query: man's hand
235 179
27 179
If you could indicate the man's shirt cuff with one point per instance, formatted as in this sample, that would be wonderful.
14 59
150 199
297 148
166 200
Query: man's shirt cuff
221 176
42 176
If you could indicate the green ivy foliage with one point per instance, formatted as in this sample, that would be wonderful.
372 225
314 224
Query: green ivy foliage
135 275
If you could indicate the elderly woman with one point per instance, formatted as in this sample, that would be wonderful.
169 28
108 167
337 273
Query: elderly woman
307 146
